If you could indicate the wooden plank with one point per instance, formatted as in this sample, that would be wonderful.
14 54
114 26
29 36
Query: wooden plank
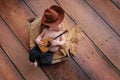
95 28
108 11
7 69
117 3
92 61
16 9
39 6
16 13
68 70
18 54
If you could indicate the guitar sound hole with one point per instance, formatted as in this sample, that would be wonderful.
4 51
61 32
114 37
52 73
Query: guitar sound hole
49 44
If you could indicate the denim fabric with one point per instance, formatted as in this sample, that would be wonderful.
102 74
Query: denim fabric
42 58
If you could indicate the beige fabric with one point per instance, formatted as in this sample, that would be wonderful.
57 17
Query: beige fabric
72 38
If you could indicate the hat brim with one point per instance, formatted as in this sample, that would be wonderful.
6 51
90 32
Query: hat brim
58 21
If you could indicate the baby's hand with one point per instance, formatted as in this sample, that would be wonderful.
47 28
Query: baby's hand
53 43
41 43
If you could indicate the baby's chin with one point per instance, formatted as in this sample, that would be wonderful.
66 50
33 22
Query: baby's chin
57 29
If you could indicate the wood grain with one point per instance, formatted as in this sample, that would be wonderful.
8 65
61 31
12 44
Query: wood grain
92 61
18 54
117 3
108 11
66 70
7 69
16 14
95 28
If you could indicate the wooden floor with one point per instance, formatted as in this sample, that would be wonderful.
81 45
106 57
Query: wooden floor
98 57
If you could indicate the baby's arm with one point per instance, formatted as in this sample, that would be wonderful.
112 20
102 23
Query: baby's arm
39 38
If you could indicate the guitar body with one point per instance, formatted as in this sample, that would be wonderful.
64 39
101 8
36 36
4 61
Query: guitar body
45 48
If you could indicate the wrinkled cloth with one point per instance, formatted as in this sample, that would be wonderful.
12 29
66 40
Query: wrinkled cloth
73 37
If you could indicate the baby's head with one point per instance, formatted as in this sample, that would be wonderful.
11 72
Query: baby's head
53 17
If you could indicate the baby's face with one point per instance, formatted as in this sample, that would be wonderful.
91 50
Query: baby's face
59 27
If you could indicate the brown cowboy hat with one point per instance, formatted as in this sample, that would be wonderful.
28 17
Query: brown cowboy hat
53 16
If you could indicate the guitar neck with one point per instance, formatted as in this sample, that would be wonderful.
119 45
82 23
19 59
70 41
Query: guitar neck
60 34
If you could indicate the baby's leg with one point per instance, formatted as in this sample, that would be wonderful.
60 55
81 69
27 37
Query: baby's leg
46 59
33 54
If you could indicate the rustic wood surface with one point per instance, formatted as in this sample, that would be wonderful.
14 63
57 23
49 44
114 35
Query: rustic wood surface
117 3
18 54
7 69
108 11
98 55
95 28
16 14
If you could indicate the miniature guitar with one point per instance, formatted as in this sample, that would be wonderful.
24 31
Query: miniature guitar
47 42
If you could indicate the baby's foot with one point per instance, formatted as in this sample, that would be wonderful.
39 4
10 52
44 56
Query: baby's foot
35 64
